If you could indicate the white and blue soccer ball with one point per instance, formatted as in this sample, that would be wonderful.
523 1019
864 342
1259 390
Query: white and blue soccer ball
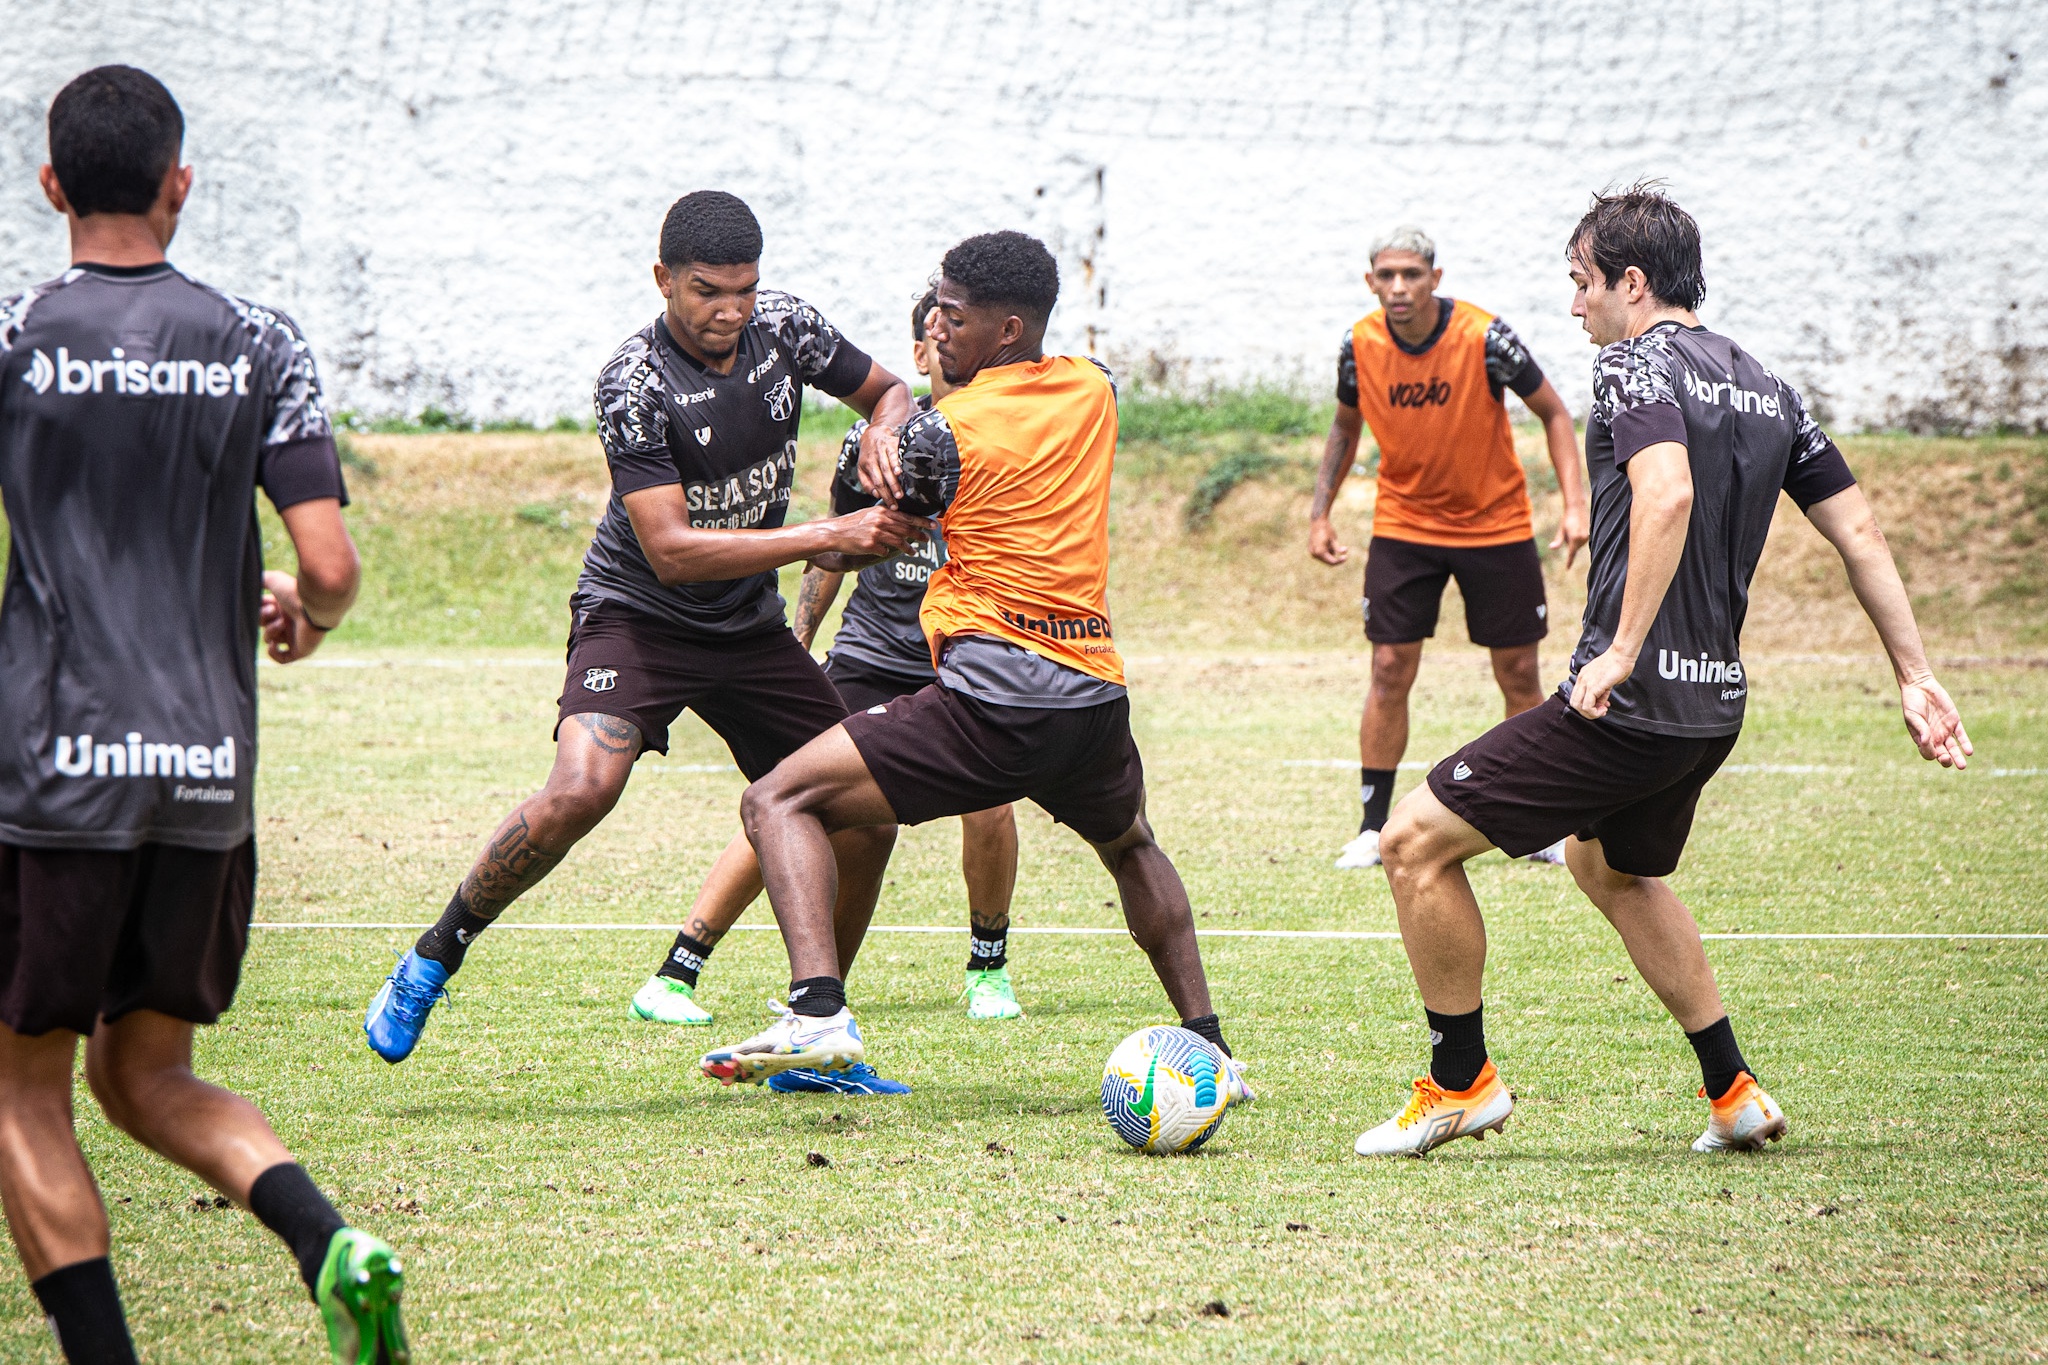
1163 1090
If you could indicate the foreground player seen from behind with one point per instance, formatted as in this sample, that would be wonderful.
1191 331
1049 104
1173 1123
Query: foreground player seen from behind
1430 376
677 604
139 412
879 654
1030 700
1690 442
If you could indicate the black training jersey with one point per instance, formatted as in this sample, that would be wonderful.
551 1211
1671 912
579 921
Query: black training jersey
139 411
729 439
1747 436
1508 362
879 628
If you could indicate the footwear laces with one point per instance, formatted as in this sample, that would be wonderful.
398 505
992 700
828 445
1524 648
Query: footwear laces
410 1000
1428 1094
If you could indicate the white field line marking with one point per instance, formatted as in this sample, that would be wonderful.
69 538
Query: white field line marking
1411 766
1770 769
1084 931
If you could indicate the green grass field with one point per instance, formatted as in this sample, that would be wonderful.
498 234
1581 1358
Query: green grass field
565 1187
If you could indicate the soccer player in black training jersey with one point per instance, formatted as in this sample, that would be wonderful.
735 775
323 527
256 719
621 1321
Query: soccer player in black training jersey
139 412
1691 440
879 654
677 607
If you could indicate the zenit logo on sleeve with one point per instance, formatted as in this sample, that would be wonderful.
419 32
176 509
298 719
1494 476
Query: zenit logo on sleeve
71 374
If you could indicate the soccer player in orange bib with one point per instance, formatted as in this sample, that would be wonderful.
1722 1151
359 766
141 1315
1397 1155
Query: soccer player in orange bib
1030 702
1429 375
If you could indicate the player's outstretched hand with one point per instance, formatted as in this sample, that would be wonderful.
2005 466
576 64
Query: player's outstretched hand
1323 543
1934 723
876 532
287 632
1597 680
879 449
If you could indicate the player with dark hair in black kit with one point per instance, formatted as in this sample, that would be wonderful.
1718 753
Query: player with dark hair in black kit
139 412
878 655
1690 442
677 605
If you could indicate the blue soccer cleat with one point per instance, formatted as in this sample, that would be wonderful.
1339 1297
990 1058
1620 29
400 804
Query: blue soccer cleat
399 1009
858 1079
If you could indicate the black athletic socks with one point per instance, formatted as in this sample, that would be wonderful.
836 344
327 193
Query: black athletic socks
685 960
1457 1048
448 941
285 1200
1376 791
83 1308
1720 1059
817 997
988 949
1211 1028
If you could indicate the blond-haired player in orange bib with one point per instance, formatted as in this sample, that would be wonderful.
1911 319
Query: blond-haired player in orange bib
1015 463
1430 376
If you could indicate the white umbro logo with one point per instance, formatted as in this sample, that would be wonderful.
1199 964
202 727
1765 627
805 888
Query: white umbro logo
703 435
877 710
600 679
1460 773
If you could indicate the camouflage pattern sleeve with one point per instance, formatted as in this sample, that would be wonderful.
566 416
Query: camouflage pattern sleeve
1508 362
1107 373
632 418
298 408
847 494
1816 471
1347 372
823 358
1635 395
930 464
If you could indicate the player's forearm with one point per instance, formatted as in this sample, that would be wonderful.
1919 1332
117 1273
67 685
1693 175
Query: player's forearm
688 554
1851 527
1340 452
329 570
1563 440
814 597
1658 520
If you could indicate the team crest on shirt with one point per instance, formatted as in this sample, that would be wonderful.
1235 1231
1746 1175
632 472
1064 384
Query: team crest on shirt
781 399
600 679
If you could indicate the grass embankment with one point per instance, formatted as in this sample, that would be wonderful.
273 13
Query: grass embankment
475 539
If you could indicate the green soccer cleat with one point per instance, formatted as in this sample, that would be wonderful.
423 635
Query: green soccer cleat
989 995
360 1285
665 1000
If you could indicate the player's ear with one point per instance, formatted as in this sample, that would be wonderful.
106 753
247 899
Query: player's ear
53 191
176 187
664 280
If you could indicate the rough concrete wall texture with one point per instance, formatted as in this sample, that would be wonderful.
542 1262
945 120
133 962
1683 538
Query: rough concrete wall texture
460 201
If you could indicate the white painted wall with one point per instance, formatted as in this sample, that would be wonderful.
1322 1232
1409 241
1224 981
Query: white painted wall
459 201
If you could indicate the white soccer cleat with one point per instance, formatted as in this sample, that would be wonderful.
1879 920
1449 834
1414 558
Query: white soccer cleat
1364 851
1554 855
793 1042
1434 1116
1744 1119
1234 1084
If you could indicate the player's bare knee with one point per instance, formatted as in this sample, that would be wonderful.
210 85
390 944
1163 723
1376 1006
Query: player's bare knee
1115 852
1393 671
570 806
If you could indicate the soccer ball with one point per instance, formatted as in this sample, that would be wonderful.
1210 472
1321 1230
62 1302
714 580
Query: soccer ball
1163 1090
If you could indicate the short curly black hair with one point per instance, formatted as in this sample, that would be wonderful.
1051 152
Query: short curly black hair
114 132
710 227
921 310
1010 269
1641 227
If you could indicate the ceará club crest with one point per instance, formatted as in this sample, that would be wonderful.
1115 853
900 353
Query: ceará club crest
600 679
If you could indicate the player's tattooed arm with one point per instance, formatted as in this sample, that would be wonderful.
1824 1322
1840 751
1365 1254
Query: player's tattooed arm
1340 452
511 864
815 593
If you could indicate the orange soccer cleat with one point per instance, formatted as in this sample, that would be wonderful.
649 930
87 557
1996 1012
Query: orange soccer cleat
1743 1119
1435 1116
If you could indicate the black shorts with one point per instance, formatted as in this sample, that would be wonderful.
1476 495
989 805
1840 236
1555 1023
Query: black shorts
87 935
1502 586
765 695
861 686
938 752
1549 772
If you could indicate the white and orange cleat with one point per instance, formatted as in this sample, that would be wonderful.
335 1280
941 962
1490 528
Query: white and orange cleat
1744 1119
1435 1116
